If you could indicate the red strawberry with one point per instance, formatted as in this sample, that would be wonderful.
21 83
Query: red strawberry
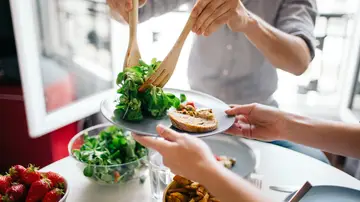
53 196
38 190
57 180
30 175
5 183
16 192
16 172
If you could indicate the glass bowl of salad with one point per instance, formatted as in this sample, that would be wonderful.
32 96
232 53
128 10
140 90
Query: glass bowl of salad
109 155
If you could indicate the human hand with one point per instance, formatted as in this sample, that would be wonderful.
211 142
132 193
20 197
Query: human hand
122 8
259 122
210 14
185 155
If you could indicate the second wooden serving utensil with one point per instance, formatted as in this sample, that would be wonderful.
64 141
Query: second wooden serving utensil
133 56
163 73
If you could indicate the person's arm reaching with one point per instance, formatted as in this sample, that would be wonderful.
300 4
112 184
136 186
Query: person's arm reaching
181 151
227 186
334 137
288 46
266 123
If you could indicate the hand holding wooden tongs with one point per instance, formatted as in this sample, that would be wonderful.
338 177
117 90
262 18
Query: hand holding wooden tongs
163 73
132 54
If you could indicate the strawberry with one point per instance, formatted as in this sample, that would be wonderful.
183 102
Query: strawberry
57 180
16 172
53 196
5 183
16 192
38 190
30 175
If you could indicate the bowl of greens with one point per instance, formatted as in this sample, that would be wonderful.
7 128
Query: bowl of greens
109 155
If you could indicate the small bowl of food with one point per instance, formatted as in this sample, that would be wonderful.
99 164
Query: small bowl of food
182 189
108 154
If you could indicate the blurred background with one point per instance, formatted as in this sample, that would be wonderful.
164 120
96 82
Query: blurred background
72 51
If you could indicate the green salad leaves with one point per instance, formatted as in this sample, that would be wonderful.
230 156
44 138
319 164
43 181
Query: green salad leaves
110 147
133 105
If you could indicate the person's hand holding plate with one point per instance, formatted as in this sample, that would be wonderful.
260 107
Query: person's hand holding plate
259 122
184 154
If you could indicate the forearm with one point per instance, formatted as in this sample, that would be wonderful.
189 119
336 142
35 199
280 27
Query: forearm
228 187
154 8
287 52
334 137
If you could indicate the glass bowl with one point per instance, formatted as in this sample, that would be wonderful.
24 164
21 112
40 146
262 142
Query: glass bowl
108 174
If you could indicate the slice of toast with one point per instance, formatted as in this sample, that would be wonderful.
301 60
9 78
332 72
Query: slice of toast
192 124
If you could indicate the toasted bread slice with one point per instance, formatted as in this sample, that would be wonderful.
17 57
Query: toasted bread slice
192 124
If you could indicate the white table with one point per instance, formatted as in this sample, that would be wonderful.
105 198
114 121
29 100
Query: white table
279 166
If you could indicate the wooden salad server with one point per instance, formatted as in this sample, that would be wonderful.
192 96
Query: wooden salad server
163 73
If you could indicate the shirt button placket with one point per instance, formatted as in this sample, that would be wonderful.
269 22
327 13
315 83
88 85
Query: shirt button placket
225 71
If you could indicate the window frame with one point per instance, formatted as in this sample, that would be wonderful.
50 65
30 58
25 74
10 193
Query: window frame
352 68
39 121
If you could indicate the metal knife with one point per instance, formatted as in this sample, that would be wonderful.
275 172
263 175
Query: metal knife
286 189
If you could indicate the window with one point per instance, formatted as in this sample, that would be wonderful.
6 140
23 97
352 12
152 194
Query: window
75 34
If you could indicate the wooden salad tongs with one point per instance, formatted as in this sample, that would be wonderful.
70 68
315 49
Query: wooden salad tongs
163 73
133 55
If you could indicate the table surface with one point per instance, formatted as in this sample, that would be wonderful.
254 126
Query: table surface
279 166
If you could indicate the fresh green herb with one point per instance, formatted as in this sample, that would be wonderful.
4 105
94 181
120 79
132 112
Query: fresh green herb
104 153
182 98
133 105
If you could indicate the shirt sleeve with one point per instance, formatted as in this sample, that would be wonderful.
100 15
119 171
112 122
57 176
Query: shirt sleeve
297 17
154 8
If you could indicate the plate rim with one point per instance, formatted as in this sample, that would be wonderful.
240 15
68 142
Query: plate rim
211 133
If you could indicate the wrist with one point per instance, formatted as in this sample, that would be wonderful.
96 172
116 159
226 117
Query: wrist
209 172
295 125
253 24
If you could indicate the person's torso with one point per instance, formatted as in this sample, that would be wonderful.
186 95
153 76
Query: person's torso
227 66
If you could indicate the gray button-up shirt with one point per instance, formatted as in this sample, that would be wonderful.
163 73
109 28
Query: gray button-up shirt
226 64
